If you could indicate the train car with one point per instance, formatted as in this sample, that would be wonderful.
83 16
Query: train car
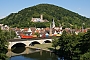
26 36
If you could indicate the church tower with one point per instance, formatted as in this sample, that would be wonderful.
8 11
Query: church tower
41 17
50 33
53 24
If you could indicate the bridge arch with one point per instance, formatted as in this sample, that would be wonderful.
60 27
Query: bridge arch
47 41
33 43
19 44
11 44
18 48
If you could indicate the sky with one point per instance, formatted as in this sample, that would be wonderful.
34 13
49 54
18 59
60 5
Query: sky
82 7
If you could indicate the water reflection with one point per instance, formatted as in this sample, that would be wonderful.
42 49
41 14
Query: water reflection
45 56
20 49
31 54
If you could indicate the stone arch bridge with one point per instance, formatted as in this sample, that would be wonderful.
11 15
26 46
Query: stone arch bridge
27 42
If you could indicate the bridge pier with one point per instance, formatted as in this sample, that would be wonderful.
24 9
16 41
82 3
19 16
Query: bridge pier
41 41
9 53
27 50
27 44
10 45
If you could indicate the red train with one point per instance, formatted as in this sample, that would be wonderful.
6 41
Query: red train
26 36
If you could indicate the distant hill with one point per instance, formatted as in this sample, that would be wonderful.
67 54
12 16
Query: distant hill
61 16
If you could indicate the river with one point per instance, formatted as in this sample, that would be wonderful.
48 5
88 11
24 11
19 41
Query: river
30 54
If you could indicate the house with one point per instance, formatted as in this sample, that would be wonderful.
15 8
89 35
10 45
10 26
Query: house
4 27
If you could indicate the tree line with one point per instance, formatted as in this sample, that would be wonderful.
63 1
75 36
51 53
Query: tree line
73 47
4 37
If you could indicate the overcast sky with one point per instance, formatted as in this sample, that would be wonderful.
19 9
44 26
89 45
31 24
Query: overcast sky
81 7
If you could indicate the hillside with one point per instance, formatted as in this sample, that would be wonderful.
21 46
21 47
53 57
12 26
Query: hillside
61 16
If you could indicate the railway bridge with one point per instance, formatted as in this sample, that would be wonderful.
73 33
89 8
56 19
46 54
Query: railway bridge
28 42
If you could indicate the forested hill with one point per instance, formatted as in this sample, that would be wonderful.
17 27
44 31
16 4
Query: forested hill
61 16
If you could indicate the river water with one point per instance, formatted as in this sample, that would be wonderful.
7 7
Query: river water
31 54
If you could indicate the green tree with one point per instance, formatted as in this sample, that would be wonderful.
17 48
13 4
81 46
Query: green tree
38 35
55 42
4 36
3 45
69 45
85 46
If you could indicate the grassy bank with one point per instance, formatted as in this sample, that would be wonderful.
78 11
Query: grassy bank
47 46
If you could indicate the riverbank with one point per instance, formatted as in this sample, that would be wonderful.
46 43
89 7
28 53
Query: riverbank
46 47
